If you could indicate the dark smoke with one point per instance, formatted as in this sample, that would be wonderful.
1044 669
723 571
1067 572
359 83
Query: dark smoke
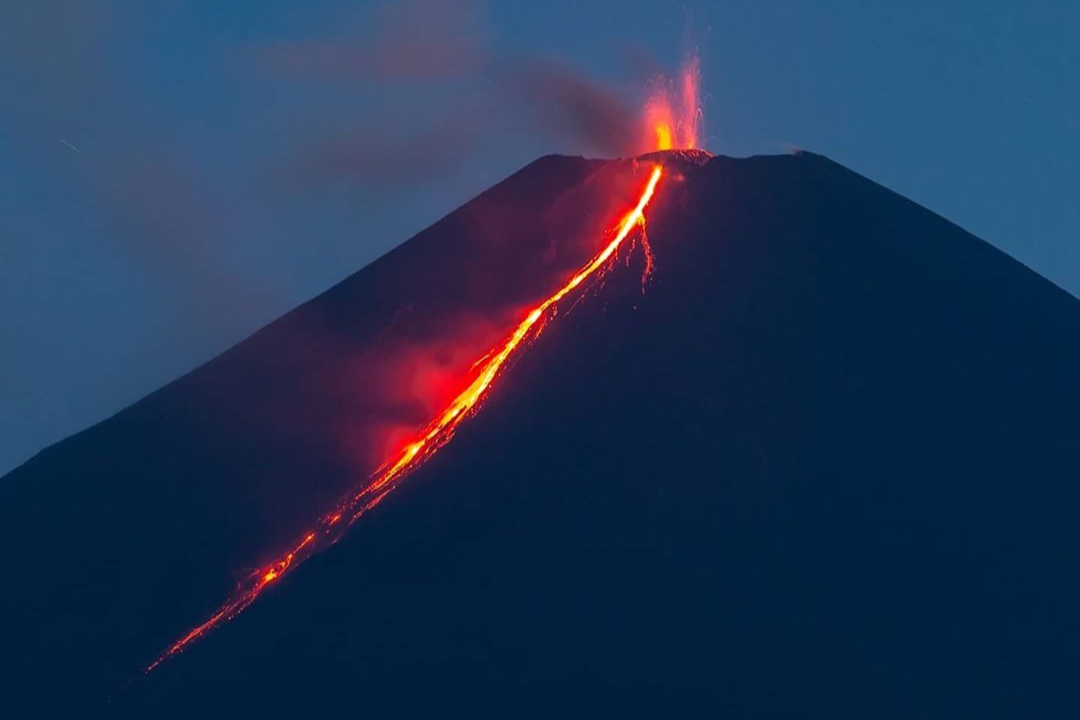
437 92
564 104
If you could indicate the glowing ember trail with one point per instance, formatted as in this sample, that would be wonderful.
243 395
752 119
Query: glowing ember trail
331 526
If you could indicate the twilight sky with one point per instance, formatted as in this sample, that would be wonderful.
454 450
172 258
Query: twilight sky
176 174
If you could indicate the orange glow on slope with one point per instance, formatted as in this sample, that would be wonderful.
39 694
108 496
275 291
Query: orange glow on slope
673 112
437 433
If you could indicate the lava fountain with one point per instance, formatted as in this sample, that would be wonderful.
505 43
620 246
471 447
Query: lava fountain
673 116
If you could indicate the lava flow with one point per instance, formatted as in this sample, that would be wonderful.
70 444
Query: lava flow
330 527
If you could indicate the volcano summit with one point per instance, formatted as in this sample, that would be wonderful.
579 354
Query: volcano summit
798 448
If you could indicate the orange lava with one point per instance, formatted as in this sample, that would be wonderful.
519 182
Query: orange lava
328 529
673 112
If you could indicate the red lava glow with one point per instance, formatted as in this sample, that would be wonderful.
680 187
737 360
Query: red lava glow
673 112
329 528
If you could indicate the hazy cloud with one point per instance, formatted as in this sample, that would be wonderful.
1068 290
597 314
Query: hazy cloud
406 41
379 157
435 91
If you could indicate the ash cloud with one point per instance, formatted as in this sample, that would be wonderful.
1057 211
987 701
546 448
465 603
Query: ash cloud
565 104
436 91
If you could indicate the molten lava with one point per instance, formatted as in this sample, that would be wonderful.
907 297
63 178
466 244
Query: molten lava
673 112
329 528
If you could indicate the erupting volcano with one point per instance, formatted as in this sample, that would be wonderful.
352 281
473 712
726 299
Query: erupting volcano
674 115
820 467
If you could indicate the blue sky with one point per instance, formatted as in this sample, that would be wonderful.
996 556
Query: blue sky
172 174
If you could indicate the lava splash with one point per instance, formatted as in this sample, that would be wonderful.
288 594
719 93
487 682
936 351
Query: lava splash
331 526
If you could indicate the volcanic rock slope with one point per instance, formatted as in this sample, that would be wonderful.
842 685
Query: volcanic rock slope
825 465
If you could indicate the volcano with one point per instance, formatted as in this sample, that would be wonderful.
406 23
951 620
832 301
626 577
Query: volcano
811 452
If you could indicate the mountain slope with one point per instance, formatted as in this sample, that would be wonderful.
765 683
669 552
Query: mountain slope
824 467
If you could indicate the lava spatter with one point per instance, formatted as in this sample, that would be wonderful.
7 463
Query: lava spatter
673 116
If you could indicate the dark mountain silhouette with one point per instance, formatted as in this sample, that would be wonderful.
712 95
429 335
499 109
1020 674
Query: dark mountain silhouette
825 466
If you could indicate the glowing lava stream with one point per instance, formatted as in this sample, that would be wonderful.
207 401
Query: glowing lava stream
329 527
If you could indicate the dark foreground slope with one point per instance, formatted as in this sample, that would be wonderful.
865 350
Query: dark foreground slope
824 467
